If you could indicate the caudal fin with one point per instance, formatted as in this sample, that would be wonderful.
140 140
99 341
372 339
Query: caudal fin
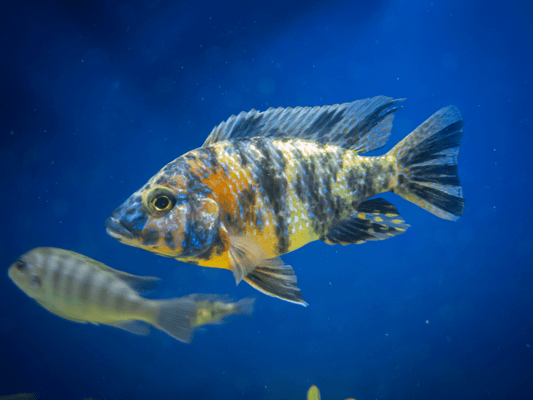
427 163
245 306
175 318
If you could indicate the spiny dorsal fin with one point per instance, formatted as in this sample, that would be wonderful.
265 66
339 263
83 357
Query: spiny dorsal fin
138 283
375 219
362 125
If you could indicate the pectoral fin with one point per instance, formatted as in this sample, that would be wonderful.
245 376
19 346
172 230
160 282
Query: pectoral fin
244 256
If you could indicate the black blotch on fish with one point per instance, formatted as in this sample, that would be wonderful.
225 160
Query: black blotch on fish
274 186
217 246
196 186
310 190
150 238
401 179
228 218
240 147
208 157
169 240
247 202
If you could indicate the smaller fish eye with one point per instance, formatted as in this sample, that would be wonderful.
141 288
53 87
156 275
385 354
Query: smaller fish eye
20 265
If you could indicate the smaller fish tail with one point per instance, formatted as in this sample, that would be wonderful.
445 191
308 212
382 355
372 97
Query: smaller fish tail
175 318
245 306
427 165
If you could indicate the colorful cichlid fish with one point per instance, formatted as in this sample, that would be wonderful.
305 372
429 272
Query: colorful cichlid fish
266 183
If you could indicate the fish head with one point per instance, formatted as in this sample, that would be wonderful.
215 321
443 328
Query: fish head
167 219
27 273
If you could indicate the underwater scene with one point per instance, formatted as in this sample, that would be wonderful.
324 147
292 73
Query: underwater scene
266 200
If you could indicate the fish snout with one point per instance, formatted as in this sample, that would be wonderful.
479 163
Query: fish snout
116 230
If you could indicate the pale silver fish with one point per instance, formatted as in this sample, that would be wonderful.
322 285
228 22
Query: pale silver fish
80 289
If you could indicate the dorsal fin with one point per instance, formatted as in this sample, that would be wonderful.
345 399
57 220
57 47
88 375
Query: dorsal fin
138 283
362 125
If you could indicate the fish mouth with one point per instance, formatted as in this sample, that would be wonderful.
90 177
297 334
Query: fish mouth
116 230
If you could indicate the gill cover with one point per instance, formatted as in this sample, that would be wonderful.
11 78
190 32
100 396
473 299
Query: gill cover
202 226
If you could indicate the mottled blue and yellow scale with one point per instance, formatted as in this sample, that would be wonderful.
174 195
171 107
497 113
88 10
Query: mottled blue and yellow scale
287 193
267 183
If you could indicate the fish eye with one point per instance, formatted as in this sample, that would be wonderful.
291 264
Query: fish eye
20 265
161 200
162 203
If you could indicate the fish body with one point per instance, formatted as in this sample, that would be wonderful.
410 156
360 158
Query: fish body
80 289
267 183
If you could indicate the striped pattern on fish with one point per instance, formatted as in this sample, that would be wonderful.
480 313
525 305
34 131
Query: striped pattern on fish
266 183
78 288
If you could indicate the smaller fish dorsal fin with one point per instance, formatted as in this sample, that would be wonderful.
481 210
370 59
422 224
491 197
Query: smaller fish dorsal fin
138 283
362 125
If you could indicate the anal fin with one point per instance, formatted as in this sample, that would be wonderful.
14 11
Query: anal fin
375 219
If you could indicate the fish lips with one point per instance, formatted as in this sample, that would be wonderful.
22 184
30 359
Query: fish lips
116 230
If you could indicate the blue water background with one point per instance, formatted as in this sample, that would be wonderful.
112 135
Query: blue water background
96 97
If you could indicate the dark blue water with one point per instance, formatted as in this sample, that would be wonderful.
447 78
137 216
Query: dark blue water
96 97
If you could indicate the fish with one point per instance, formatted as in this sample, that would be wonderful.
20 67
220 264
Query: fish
80 289
211 309
264 184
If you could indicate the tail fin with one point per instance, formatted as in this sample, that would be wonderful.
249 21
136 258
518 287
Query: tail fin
175 317
245 306
427 164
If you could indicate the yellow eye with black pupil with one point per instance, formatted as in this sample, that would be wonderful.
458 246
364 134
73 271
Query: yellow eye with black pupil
162 203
